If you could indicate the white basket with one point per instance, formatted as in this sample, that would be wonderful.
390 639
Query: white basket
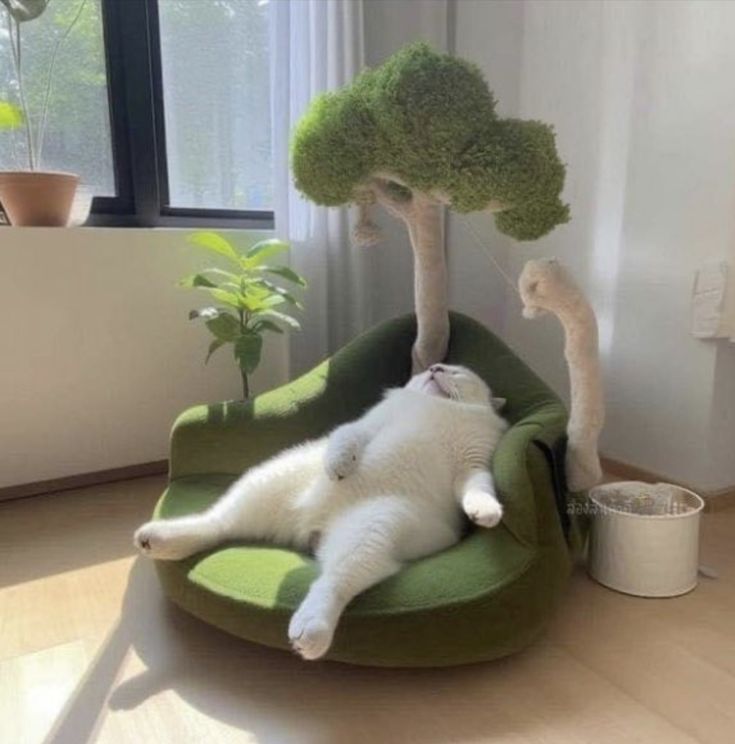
644 538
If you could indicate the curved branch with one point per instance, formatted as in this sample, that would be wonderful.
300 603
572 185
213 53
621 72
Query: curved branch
545 286
440 197
402 208
365 231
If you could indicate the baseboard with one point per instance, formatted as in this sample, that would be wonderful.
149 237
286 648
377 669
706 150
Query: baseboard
68 482
722 498
626 471
715 500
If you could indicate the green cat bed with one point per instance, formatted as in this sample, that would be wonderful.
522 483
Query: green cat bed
484 598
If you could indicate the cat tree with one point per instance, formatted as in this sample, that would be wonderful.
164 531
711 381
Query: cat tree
421 133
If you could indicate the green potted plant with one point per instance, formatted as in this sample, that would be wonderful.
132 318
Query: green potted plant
249 299
33 196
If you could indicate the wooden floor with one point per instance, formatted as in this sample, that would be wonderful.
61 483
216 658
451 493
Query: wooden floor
89 651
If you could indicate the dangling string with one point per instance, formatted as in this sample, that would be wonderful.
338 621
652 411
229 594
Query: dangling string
488 251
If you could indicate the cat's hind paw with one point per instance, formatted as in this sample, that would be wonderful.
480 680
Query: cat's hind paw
158 540
482 508
310 635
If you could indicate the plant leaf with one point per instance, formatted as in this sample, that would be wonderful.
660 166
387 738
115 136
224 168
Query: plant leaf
291 300
247 351
11 117
258 291
231 286
206 312
224 274
216 344
196 280
272 301
281 291
262 250
25 10
214 242
228 298
287 319
252 303
286 273
224 327
259 297
267 325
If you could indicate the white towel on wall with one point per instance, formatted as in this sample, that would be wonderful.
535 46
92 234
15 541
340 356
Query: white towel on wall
713 302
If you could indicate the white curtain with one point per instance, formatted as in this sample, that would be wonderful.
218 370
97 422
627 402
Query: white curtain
316 45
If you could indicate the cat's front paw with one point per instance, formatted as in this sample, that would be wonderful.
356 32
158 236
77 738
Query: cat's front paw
340 459
482 508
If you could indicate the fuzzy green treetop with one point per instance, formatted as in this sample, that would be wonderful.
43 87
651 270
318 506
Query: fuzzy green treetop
429 120
417 133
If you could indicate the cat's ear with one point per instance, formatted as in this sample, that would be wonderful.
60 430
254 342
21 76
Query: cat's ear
498 403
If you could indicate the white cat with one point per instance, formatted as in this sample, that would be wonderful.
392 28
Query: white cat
377 492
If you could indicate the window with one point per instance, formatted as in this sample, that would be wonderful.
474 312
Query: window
217 106
162 107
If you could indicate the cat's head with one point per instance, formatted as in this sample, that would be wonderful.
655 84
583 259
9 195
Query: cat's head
454 383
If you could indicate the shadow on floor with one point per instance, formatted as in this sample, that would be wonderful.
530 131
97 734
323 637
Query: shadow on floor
93 526
276 697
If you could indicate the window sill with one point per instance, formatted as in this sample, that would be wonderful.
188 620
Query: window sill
86 229
187 219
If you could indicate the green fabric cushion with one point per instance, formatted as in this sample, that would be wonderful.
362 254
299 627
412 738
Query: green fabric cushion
486 597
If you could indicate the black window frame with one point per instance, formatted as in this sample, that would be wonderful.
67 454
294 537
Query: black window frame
135 92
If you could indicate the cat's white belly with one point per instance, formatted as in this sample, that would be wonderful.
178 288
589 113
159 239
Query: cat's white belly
418 470
415 471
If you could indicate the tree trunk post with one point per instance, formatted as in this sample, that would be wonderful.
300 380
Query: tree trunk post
430 283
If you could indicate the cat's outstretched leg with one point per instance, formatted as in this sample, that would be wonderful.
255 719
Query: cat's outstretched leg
475 491
367 543
257 506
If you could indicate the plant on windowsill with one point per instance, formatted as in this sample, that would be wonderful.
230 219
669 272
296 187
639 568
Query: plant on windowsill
33 196
249 300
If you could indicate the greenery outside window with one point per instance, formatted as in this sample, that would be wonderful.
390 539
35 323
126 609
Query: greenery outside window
161 106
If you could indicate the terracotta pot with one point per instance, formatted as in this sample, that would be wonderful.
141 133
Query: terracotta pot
36 198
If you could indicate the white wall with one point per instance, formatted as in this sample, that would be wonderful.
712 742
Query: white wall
98 356
642 99
492 40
